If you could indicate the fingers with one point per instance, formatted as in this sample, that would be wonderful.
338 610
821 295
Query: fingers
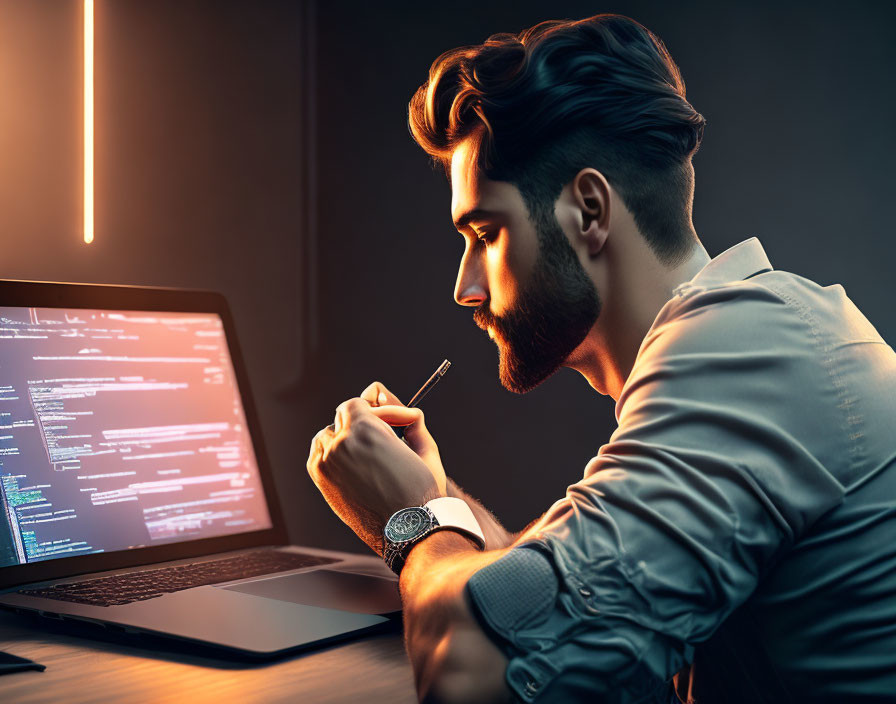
319 445
398 415
347 411
416 435
354 425
378 395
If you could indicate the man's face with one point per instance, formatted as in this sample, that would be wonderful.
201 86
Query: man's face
530 291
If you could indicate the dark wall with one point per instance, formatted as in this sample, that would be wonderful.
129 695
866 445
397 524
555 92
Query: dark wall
798 151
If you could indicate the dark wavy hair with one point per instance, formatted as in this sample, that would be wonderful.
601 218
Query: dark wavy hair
601 92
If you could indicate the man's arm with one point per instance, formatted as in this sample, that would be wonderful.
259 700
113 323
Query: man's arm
453 659
366 474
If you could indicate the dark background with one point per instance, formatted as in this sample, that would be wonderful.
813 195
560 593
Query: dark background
260 148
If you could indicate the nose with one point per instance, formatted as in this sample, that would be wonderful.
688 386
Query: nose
470 288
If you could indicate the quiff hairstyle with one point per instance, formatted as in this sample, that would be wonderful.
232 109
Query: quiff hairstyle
541 105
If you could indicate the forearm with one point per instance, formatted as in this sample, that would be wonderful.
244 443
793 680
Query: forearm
453 660
496 537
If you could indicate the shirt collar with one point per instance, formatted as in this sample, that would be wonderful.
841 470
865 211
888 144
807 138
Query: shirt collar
734 264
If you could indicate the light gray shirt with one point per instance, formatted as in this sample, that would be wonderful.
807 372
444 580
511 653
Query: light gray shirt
740 524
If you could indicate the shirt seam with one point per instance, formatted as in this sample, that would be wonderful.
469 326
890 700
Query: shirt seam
850 438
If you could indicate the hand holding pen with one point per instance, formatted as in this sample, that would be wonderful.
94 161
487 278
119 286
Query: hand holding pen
415 433
377 395
365 473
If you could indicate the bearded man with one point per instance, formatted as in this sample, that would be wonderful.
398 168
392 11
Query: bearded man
735 539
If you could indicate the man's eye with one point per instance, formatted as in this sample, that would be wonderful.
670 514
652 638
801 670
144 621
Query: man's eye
486 237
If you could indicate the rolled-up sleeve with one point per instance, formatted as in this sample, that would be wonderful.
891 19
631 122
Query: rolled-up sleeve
708 479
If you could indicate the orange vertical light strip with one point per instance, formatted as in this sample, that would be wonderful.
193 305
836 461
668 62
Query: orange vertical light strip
88 121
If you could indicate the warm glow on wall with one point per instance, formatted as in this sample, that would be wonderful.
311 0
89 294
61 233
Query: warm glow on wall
88 121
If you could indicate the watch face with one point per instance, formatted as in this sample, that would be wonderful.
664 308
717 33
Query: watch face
407 524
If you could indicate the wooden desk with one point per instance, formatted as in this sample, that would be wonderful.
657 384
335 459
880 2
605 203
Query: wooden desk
82 669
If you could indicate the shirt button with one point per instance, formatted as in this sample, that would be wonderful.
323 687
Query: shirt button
532 687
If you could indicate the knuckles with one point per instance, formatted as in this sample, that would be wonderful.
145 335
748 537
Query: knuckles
352 408
328 448
357 405
364 434
314 455
359 433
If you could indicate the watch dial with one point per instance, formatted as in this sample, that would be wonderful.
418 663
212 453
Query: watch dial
406 524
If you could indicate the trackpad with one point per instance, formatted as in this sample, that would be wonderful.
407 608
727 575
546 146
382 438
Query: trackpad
361 593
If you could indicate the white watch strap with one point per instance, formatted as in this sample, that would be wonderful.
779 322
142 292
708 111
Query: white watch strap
452 512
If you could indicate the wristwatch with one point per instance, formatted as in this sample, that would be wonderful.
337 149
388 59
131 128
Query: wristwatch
408 526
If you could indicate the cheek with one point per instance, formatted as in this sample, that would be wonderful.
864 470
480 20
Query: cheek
505 267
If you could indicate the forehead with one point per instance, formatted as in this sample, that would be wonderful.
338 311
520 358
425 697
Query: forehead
466 179
472 190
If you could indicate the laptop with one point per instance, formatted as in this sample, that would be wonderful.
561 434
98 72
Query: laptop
135 491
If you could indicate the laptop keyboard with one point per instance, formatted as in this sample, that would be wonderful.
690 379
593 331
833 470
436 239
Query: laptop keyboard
136 586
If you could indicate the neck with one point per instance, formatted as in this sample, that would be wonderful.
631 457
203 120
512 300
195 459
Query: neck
633 286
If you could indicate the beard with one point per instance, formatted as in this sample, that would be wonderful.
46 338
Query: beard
557 307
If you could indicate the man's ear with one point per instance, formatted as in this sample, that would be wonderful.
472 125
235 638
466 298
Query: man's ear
591 194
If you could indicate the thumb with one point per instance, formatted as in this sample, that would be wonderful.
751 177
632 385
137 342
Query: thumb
416 434
378 395
397 415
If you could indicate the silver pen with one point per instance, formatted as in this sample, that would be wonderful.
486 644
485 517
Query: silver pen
425 389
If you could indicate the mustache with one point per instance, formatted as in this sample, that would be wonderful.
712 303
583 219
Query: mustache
484 318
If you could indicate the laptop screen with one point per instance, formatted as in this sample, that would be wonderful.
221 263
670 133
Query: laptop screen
120 430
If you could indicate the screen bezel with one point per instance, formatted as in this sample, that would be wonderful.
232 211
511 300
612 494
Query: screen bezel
39 294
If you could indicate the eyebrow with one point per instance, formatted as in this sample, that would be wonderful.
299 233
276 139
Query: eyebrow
476 214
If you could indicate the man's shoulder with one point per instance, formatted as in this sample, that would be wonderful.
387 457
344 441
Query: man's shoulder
745 343
774 311
725 318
